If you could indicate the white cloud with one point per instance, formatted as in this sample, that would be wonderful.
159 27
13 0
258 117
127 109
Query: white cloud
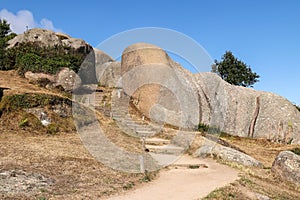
24 19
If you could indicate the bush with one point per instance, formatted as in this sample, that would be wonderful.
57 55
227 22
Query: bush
19 101
33 57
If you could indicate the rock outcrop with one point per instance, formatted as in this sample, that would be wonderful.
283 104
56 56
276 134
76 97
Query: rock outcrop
66 78
249 113
164 91
110 75
213 149
287 166
159 91
49 38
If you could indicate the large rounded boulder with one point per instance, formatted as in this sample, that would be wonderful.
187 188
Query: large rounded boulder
149 77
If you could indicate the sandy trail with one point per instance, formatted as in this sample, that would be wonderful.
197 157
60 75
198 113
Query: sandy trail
184 183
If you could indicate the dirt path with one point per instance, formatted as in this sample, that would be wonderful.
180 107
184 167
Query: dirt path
184 183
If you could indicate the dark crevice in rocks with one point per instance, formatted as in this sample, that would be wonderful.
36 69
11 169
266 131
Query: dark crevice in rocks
2 92
254 118
200 107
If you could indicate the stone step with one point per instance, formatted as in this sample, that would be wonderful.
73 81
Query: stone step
146 133
157 141
143 128
165 149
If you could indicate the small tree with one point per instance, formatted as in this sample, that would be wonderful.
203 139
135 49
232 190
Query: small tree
4 30
5 36
234 71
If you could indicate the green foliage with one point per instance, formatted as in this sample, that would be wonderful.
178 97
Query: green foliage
203 127
40 59
235 71
9 37
147 177
4 31
296 151
36 58
19 101
24 122
4 28
128 186
194 166
52 128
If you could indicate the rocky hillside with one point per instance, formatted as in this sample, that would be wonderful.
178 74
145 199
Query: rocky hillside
164 91
163 88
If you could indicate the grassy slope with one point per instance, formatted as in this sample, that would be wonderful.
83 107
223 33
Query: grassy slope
59 156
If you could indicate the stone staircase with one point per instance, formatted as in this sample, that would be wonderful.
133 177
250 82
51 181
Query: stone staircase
165 153
171 155
133 127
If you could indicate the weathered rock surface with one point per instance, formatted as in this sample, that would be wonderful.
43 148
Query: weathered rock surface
49 38
211 148
233 109
37 77
68 79
148 76
164 91
159 92
287 166
19 181
110 75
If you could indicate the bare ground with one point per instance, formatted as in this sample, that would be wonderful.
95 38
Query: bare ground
63 159
184 183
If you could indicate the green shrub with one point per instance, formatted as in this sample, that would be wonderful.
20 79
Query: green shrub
36 58
19 101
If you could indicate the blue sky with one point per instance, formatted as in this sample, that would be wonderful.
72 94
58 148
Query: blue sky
263 33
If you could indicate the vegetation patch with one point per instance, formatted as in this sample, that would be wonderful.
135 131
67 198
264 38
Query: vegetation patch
15 115
296 150
33 57
23 101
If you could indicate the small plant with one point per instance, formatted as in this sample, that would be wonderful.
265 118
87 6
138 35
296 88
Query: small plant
24 122
128 186
203 127
245 181
194 166
147 177
52 128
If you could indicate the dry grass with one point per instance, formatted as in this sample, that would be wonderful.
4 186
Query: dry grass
255 181
63 158
261 149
